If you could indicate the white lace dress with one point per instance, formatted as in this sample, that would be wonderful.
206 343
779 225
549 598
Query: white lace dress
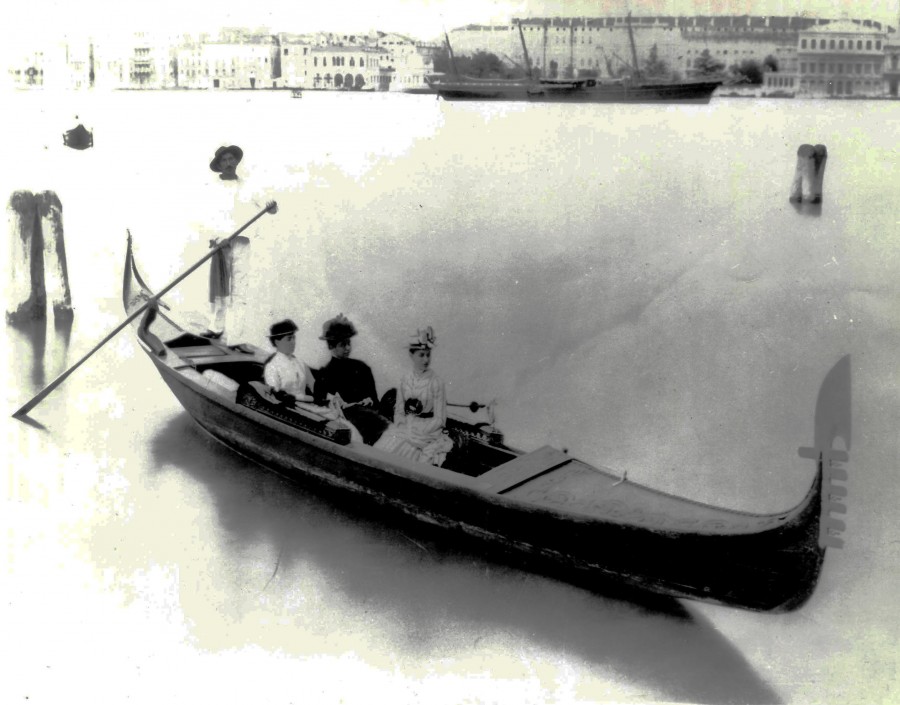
419 436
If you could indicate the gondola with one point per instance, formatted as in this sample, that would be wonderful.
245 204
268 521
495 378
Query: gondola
79 137
544 508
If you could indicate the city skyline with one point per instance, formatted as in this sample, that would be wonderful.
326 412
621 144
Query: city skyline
50 20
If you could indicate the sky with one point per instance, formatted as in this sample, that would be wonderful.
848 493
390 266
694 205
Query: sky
424 19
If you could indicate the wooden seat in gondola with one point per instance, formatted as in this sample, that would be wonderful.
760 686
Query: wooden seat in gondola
259 397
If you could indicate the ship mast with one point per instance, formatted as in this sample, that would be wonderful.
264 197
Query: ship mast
525 49
452 58
637 70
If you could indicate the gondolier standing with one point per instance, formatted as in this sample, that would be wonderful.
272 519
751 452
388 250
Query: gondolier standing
229 271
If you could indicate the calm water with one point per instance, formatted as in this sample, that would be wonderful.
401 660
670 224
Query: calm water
628 282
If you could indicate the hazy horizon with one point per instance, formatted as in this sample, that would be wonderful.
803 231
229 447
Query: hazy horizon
420 19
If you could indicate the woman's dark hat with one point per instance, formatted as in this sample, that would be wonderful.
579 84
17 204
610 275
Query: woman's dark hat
337 329
234 150
282 328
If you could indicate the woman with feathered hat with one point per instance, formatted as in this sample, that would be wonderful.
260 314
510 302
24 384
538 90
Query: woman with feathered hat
420 411
348 383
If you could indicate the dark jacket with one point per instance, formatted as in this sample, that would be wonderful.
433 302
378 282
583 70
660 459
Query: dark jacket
353 380
350 378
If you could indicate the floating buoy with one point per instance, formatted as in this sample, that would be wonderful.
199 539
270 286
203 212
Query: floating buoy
809 174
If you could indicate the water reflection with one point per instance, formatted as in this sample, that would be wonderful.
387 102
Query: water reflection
29 344
29 340
813 210
423 584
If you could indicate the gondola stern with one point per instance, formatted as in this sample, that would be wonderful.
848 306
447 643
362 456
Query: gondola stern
831 452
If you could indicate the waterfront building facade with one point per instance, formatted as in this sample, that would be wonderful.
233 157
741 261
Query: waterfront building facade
247 61
405 61
136 61
601 46
336 67
841 59
27 70
784 81
891 67
331 62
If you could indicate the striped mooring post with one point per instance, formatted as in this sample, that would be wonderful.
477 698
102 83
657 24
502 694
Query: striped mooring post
37 258
809 174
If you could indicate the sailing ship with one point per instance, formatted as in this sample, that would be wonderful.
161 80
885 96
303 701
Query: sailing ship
632 89
545 510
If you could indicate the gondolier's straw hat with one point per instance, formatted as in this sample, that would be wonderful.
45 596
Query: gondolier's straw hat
337 329
234 150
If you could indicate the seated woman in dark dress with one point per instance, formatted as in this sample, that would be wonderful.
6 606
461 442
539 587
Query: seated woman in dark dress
348 383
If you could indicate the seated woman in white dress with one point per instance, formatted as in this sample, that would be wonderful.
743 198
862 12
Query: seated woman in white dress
420 412
284 373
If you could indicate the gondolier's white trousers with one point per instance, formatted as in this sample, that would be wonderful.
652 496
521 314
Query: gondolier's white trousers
228 314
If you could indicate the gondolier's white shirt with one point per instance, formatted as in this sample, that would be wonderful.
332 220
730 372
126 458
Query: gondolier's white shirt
287 374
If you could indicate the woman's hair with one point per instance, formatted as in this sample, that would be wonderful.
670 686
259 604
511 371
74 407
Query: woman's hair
282 329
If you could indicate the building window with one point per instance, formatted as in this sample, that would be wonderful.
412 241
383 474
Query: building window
831 44
803 44
285 51
859 44
878 45
869 44
841 44
812 43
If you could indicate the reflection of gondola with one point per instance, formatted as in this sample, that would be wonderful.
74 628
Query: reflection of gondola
78 137
297 93
546 510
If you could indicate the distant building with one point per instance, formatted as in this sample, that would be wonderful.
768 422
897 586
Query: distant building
296 59
406 60
137 61
841 59
234 60
27 71
602 45
891 67
338 67
783 79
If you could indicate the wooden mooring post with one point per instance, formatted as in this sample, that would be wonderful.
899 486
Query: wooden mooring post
56 274
809 174
37 257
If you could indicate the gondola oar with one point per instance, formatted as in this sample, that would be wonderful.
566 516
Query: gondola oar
472 406
271 207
